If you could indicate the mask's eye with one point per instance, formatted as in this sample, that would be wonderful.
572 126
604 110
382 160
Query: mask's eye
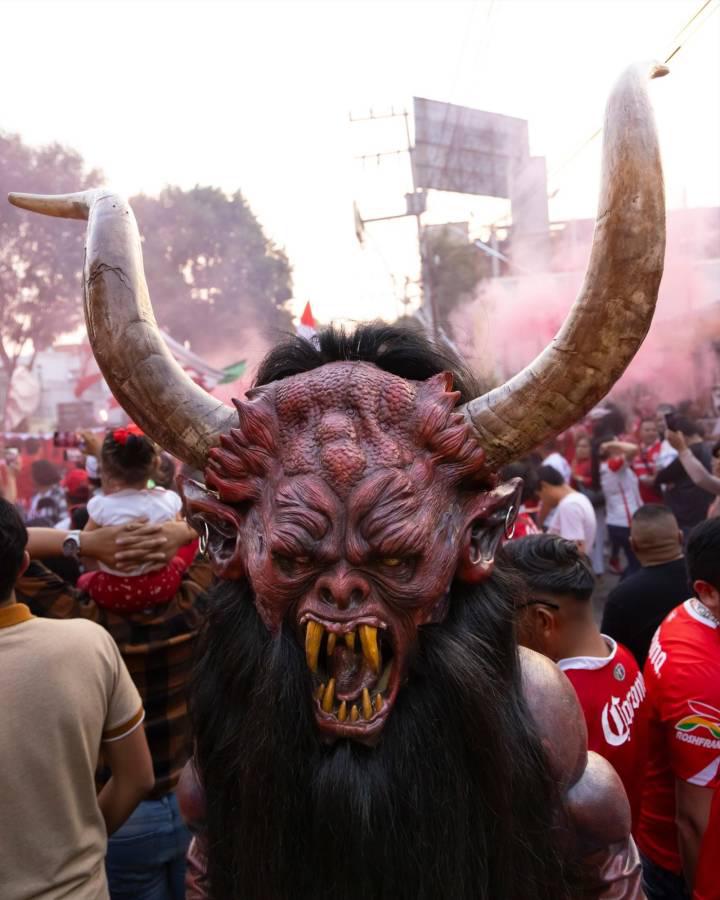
397 566
291 565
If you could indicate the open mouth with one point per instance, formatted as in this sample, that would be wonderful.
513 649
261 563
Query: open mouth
354 672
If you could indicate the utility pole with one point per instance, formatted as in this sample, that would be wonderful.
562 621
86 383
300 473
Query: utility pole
415 205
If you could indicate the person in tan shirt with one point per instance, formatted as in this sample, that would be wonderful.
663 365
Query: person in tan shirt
67 697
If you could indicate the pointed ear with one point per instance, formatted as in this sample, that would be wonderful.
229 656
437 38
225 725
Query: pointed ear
218 524
492 518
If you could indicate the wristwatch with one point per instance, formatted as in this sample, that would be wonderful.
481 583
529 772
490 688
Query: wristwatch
71 544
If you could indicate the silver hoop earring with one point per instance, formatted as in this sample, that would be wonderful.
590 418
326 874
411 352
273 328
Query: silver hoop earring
510 520
204 540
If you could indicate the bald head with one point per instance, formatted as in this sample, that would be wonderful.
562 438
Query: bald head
655 535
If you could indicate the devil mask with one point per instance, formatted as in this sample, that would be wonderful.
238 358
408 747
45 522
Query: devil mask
350 498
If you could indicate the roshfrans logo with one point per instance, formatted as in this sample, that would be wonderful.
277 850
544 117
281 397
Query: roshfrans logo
617 717
704 718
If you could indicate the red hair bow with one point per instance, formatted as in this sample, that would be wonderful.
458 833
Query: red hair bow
121 435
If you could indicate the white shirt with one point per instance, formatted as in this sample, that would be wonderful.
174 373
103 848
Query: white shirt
560 464
666 455
156 505
574 520
622 494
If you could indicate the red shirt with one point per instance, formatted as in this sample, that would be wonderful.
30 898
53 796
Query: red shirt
582 473
524 525
611 691
682 673
643 465
707 880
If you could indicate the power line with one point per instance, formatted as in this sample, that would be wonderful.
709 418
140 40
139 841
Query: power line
689 23
679 46
483 48
667 59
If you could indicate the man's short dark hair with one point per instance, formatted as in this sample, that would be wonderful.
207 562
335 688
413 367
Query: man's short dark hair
550 475
13 541
526 471
653 512
703 553
549 563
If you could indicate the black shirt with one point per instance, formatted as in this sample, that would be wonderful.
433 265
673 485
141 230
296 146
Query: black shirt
637 606
688 502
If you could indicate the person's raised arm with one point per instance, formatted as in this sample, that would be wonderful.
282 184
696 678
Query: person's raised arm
692 465
627 448
9 489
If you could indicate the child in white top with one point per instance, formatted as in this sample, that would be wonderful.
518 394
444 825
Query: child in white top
128 460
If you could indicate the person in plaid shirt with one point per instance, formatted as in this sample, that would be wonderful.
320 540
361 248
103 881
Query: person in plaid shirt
157 647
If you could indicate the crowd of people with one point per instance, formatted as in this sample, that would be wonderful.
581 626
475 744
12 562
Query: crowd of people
640 503
109 570
103 593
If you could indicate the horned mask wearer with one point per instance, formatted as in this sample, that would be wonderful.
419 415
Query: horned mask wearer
350 498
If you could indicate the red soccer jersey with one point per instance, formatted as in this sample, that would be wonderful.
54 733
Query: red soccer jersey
644 467
707 882
611 691
682 673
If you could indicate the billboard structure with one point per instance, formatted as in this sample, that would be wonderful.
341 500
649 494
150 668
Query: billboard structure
471 151
467 150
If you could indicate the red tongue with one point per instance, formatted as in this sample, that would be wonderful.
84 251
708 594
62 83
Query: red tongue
351 672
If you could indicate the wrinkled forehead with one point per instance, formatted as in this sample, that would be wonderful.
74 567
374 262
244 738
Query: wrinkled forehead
345 419
344 386
342 422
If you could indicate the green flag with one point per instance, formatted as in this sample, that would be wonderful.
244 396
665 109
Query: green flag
233 372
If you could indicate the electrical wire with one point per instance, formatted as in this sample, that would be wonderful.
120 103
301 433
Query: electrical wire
678 45
483 48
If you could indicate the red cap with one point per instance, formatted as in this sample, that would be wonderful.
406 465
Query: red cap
75 480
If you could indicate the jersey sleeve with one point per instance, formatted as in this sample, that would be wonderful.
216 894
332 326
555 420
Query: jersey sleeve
688 709
125 710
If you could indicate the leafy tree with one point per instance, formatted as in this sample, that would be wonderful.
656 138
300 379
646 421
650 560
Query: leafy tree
211 270
453 269
40 259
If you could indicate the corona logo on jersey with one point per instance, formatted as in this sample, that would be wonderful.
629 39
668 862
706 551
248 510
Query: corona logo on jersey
657 655
705 720
617 716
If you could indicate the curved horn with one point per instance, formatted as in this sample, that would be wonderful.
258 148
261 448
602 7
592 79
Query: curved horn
138 367
611 316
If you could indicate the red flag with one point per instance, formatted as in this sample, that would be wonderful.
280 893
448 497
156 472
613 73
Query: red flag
307 327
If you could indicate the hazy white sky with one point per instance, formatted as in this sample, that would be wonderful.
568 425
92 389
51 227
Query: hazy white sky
256 96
